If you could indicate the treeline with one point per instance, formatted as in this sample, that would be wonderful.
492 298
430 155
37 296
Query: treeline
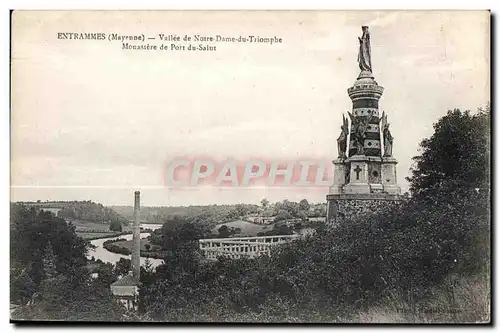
216 214
85 210
90 211
426 260
51 204
283 210
209 214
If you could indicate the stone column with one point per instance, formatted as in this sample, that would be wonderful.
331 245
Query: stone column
365 95
136 240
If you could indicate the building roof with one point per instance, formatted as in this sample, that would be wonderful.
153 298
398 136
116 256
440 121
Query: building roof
127 280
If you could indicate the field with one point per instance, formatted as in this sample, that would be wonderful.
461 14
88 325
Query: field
85 225
95 235
247 228
128 244
93 230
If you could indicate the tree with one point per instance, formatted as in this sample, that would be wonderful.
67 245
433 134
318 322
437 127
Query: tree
106 275
264 202
302 215
224 231
59 298
49 278
147 247
283 215
184 234
289 206
22 286
148 277
304 205
40 236
282 229
122 267
241 210
451 181
456 156
115 226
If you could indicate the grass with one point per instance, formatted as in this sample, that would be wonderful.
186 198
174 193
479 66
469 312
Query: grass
96 235
467 300
154 251
85 226
128 245
93 230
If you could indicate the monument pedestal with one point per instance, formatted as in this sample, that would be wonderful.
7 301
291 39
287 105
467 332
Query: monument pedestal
345 208
389 176
376 188
339 176
358 179
361 185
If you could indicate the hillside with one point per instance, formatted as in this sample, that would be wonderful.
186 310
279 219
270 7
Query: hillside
210 214
82 211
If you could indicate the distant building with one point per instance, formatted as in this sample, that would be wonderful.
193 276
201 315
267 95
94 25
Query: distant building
126 291
54 211
291 222
264 219
239 247
250 218
317 219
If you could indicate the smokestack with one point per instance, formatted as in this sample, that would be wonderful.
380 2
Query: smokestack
136 247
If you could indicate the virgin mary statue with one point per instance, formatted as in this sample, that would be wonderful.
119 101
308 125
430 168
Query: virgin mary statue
364 55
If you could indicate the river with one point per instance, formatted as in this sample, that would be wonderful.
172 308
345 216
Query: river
101 253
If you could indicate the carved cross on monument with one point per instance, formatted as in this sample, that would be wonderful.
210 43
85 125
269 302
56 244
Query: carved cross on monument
357 170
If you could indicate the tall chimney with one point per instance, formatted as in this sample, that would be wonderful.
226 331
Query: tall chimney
136 247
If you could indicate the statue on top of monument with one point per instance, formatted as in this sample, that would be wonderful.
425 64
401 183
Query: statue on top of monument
342 139
386 134
364 55
359 126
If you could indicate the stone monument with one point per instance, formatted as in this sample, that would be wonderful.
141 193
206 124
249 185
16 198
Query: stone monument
364 178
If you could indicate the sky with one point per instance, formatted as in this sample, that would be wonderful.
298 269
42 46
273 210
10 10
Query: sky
91 121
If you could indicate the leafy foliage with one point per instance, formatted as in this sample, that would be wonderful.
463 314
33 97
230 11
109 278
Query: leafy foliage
49 277
31 232
49 262
457 155
115 226
60 298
